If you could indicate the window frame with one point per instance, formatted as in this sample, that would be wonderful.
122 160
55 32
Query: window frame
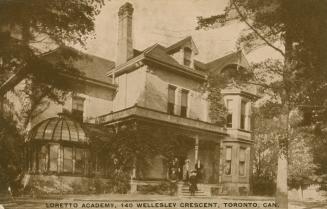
83 161
184 109
70 160
171 104
55 158
243 115
242 161
78 113
229 116
228 161
187 56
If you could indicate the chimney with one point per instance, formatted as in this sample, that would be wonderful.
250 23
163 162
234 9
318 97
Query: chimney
125 29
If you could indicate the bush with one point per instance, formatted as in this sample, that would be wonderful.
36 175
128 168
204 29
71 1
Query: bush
119 182
263 186
164 188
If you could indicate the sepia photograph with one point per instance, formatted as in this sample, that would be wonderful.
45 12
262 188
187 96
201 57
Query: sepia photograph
163 104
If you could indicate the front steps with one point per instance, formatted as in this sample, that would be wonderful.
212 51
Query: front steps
203 191
6 201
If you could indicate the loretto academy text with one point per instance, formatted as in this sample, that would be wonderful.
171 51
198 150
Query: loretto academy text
163 205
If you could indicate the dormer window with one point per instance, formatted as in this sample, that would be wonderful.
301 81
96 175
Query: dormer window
187 56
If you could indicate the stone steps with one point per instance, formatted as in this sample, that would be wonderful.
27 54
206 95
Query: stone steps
201 192
9 204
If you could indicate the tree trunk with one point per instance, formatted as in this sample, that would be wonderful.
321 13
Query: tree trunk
282 187
281 190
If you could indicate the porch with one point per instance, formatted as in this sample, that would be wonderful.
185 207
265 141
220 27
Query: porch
200 148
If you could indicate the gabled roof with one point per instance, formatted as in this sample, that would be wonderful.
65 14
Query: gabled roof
161 55
158 54
234 58
90 66
176 46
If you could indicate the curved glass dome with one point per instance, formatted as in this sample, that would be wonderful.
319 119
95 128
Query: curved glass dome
59 129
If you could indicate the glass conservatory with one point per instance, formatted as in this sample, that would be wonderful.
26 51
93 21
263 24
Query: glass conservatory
58 146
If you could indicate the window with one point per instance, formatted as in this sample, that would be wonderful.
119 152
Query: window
54 148
43 158
79 161
48 158
228 161
68 160
100 165
242 162
33 158
78 108
171 99
184 101
243 106
229 118
187 56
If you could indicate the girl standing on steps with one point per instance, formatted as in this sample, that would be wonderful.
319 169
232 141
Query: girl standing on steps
193 183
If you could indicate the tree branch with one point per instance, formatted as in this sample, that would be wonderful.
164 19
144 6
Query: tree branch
259 84
243 18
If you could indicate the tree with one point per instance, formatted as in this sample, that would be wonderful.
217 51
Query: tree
26 29
301 165
300 27
11 149
265 153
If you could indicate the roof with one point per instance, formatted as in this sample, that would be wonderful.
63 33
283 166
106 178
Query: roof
176 46
90 66
158 54
58 129
217 65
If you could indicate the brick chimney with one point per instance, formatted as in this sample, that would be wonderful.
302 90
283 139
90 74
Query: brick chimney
125 29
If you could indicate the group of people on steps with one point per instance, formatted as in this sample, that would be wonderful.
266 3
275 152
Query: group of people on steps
186 173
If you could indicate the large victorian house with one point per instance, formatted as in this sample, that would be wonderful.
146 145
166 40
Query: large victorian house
159 87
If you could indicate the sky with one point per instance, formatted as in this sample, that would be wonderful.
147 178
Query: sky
166 22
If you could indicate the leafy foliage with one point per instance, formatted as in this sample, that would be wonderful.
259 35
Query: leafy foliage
27 30
217 81
134 146
164 188
301 165
11 148
266 152
297 30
